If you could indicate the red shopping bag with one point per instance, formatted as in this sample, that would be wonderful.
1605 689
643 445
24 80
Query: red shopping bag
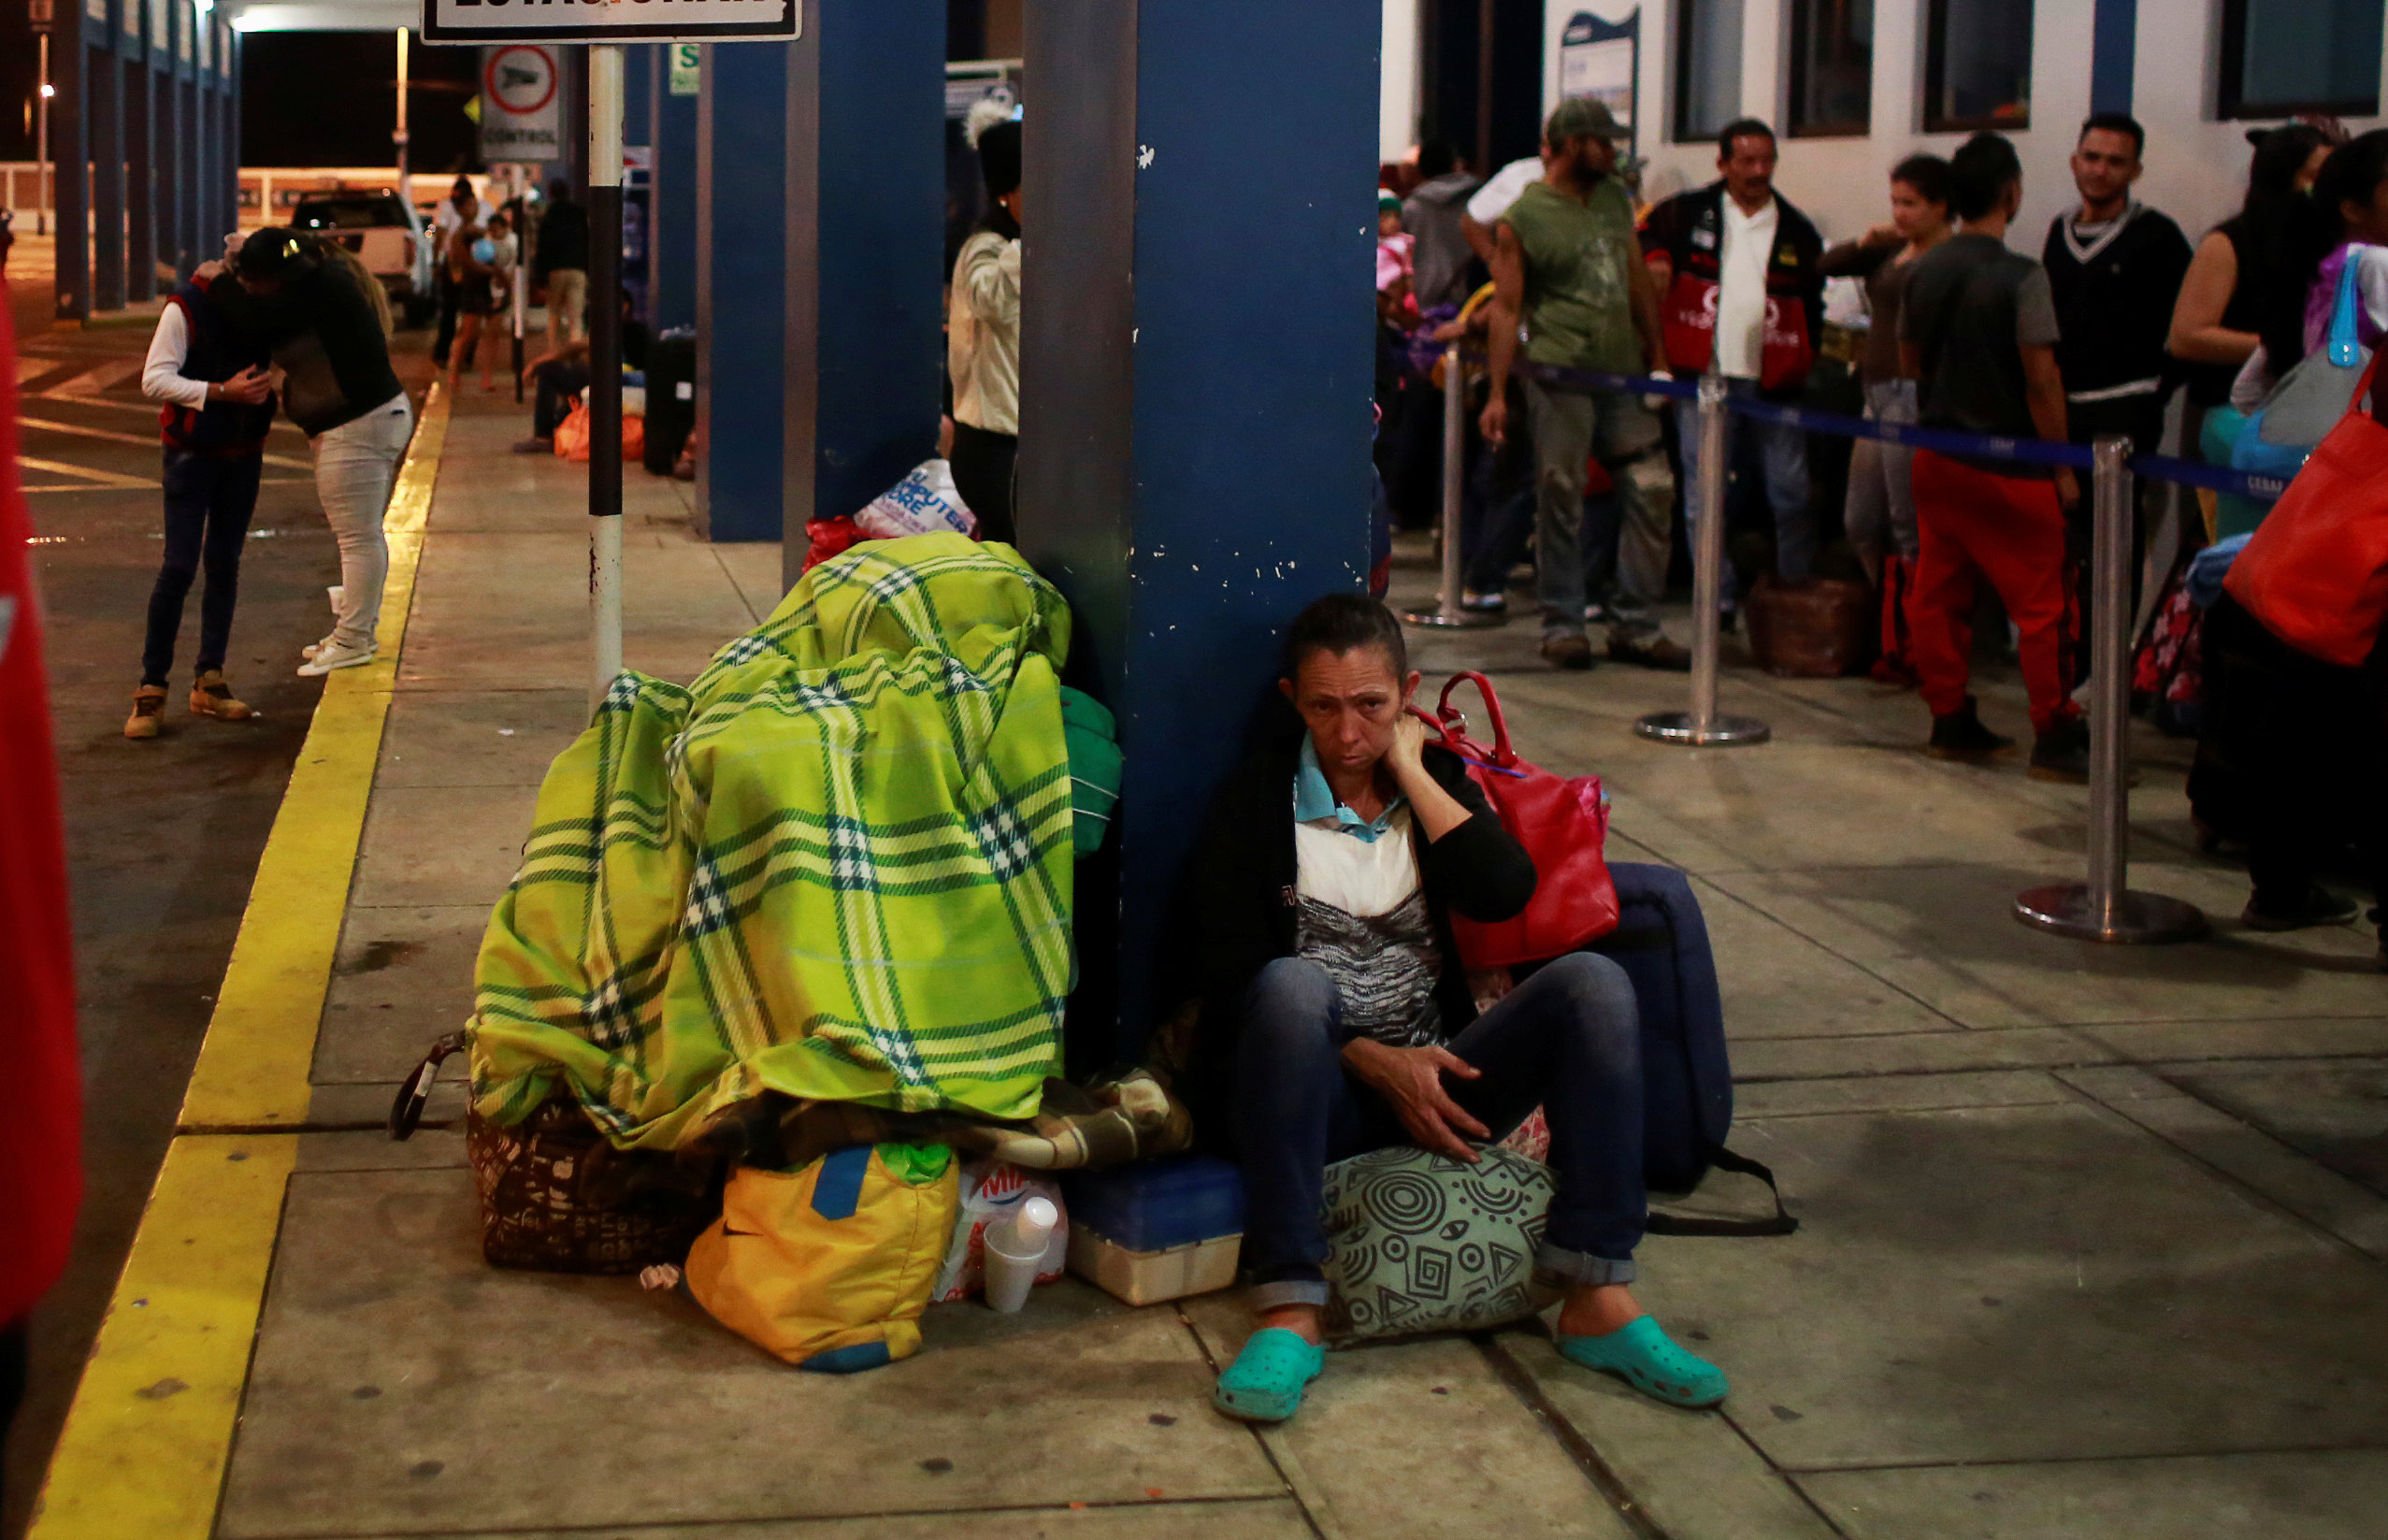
1563 825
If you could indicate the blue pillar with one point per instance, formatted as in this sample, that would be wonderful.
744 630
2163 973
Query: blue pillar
672 240
1189 484
228 146
741 158
107 174
140 174
865 204
71 60
638 103
2113 46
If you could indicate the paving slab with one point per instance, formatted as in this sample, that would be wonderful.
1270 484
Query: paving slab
464 738
1772 1099
2023 1283
429 847
1421 1439
2268 1036
2335 1115
403 978
1945 935
400 1385
1776 983
2334 1495
753 566
1234 1518
1956 1048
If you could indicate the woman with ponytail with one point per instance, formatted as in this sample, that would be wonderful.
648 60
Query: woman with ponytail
328 323
2345 220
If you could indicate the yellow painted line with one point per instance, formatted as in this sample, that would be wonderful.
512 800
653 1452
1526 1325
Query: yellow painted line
252 1069
144 1447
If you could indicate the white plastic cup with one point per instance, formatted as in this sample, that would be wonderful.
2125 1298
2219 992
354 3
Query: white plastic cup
1011 1272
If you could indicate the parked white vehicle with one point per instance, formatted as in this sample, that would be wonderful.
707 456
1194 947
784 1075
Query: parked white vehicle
387 234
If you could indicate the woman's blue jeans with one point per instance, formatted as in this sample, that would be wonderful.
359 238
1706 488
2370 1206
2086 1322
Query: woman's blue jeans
1567 1039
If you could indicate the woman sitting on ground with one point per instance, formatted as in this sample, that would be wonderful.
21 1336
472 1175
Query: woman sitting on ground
1337 1018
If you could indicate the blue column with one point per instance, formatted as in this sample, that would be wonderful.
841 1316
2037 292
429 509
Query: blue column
1188 480
638 104
70 57
107 174
2114 40
140 174
875 347
672 240
228 146
741 158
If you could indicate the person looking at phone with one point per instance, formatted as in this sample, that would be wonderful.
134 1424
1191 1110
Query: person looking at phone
208 369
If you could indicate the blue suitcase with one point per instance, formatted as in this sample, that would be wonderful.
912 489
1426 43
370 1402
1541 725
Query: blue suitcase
1687 1077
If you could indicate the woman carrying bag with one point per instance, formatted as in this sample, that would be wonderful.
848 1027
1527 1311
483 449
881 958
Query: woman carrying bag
328 323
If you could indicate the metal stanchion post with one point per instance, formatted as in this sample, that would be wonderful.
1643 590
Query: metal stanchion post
605 369
2104 909
1702 725
1447 610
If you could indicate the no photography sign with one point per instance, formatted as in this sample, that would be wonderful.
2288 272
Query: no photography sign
609 21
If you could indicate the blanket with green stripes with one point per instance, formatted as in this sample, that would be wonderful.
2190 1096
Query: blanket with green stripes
837 865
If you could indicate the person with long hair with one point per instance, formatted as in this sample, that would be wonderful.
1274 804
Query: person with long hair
328 323
2344 221
2214 320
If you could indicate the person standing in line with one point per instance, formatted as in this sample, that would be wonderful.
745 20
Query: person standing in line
473 276
982 341
462 207
211 375
1978 330
560 265
328 323
1433 214
2114 269
1566 264
1738 265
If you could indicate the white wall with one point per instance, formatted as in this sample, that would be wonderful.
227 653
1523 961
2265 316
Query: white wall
2196 165
1397 81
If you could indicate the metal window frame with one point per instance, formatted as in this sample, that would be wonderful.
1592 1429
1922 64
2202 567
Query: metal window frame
1802 17
2232 104
1935 48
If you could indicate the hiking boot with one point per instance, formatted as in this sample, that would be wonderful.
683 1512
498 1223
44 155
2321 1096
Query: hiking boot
149 712
1959 735
2062 753
2316 906
1651 650
1567 652
211 696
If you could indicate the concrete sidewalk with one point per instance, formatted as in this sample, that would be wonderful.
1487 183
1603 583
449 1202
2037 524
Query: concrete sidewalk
2094 1239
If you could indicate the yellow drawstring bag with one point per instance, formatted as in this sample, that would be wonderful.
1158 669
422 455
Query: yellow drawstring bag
829 1267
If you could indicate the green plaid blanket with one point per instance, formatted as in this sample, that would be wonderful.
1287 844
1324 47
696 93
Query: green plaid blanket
837 866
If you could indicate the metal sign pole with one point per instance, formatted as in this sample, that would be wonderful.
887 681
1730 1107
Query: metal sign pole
1701 725
2105 909
605 369
1448 612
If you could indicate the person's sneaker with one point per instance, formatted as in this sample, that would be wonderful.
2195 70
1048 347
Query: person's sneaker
1483 603
314 647
1653 650
534 446
1597 614
1959 735
1567 652
329 656
149 712
211 696
2316 906
2062 753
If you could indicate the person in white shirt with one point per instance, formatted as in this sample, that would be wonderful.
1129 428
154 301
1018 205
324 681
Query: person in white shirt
982 341
209 371
1738 265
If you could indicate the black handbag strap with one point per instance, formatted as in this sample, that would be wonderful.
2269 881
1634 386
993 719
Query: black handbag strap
1781 1223
405 1111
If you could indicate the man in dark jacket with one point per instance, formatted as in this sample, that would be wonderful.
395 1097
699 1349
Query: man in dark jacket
1337 1015
560 265
1736 266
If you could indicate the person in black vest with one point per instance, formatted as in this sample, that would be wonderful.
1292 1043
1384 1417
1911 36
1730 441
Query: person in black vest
2114 268
210 373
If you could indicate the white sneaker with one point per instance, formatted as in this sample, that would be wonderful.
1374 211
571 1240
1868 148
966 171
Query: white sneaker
314 647
331 655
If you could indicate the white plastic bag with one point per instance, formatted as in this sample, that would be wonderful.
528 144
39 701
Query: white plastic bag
923 503
991 1192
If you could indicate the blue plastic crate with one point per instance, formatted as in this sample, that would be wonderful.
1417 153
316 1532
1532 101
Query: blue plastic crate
1150 1206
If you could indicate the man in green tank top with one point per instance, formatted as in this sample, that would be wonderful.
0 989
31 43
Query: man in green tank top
1567 266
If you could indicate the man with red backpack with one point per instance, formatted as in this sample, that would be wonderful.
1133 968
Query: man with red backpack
1736 266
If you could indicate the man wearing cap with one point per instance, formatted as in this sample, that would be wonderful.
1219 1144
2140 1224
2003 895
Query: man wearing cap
1566 263
1737 263
982 339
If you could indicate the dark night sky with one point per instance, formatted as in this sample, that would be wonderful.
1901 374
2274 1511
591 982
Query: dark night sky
329 98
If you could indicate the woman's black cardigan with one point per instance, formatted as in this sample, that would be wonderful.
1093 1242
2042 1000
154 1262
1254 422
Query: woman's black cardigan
1239 899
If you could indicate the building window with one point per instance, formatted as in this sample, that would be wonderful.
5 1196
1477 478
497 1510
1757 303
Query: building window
1707 67
2284 56
1832 76
1978 64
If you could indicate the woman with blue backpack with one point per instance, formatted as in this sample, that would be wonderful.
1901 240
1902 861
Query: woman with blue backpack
208 369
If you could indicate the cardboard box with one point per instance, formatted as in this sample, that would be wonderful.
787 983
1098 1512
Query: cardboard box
1148 1277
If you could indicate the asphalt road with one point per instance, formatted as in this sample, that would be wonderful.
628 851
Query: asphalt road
162 836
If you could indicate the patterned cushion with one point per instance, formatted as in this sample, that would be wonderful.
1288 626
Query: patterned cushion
1423 1242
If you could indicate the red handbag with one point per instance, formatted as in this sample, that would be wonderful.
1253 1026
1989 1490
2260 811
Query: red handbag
1563 824
2315 571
